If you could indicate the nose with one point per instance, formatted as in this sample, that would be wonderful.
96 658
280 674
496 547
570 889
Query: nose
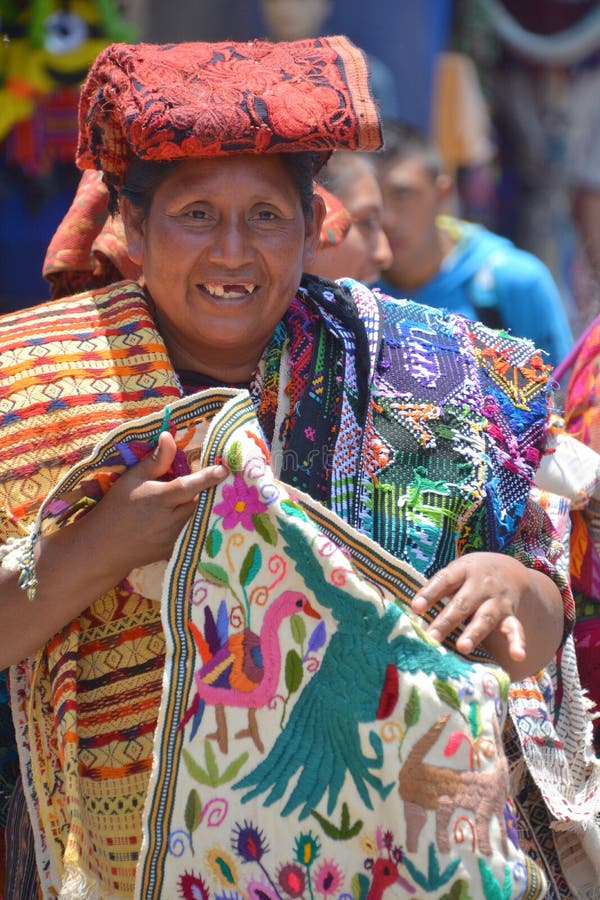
230 245
382 253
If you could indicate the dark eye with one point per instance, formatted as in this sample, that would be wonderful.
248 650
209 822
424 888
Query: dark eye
299 603
199 214
404 194
367 226
265 215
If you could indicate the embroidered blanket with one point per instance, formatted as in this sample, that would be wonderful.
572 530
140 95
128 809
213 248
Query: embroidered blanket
311 740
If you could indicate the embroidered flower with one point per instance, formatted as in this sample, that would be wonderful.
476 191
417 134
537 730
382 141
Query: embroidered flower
386 838
368 845
192 887
259 889
310 433
240 502
307 849
292 880
222 867
328 878
511 824
248 842
397 854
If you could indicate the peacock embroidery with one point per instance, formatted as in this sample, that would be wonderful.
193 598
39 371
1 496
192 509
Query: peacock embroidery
357 682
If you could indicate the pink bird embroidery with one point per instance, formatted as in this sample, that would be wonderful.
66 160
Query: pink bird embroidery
240 669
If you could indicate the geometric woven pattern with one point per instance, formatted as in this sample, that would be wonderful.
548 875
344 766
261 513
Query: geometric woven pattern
71 371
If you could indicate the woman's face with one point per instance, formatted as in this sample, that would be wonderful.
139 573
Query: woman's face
222 251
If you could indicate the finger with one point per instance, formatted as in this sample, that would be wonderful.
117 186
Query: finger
187 487
514 632
456 611
484 622
159 461
440 587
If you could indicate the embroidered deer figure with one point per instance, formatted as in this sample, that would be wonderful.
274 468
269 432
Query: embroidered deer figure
424 787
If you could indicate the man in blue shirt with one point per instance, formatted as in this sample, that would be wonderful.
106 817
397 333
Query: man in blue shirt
460 266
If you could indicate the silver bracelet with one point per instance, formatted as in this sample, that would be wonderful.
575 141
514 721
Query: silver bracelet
18 555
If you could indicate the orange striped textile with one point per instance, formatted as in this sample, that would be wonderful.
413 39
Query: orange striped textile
71 371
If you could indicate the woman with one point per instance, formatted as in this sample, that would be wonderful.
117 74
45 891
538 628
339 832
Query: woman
409 434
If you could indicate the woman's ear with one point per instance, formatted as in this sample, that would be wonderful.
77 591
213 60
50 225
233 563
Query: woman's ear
313 230
133 224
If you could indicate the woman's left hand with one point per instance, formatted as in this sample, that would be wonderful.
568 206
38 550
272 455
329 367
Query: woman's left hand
500 603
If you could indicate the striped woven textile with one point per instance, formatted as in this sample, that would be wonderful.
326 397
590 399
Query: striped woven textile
71 371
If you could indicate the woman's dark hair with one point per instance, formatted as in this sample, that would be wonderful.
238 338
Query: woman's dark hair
302 168
145 176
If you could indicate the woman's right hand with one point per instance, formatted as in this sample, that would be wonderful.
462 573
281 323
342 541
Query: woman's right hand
137 522
143 514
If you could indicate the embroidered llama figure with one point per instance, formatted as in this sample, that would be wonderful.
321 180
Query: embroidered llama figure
425 787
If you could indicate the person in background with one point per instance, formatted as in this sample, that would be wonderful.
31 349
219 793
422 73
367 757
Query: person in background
545 80
364 251
428 429
457 265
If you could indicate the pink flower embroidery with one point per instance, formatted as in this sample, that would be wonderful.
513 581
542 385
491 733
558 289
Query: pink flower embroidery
240 502
328 879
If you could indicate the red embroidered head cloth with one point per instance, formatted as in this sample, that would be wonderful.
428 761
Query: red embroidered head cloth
167 102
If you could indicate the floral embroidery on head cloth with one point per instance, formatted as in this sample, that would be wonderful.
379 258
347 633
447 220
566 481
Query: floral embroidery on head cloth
166 102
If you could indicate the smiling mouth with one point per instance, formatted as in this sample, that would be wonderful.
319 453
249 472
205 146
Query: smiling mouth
229 291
